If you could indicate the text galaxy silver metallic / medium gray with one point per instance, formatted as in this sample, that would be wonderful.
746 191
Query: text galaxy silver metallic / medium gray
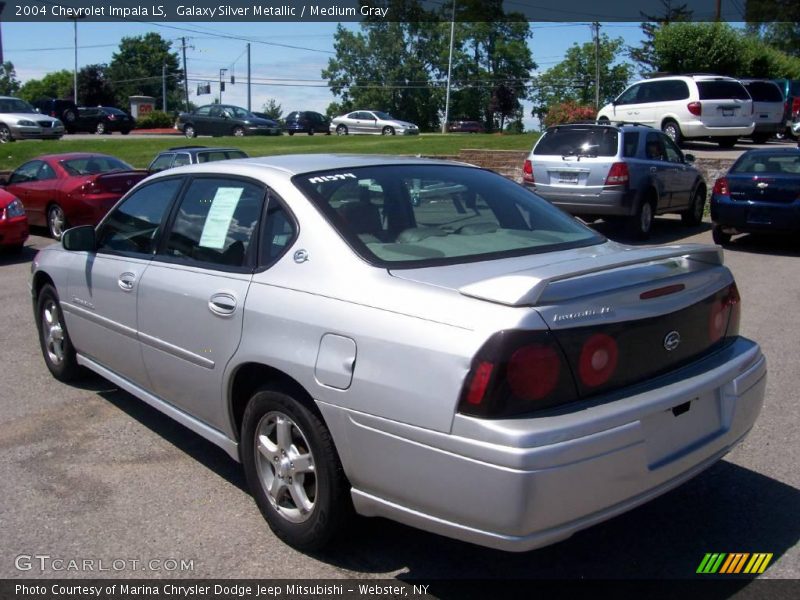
415 339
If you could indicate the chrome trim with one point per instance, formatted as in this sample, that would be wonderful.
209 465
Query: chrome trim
159 344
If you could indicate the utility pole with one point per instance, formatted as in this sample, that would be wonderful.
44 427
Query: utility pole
596 27
449 69
185 79
164 87
718 11
249 107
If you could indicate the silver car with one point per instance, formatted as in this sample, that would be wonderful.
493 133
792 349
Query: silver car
414 339
20 121
372 122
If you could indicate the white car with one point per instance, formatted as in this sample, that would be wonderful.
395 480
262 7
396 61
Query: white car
20 121
372 121
687 107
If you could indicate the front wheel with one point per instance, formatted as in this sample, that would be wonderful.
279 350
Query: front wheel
727 143
693 216
293 470
719 236
388 130
56 222
189 131
673 131
238 131
57 349
341 130
100 129
311 131
5 135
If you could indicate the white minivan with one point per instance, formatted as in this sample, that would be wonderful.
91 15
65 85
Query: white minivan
687 107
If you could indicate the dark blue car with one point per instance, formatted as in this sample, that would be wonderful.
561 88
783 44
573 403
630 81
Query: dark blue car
759 194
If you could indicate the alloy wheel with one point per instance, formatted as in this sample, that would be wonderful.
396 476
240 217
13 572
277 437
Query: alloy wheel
53 332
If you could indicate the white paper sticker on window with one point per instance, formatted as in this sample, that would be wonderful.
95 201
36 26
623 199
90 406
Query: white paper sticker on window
218 221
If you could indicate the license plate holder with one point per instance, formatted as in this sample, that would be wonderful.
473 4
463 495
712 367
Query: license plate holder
570 177
727 112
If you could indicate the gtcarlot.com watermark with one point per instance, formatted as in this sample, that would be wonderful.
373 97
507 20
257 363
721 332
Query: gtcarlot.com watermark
45 563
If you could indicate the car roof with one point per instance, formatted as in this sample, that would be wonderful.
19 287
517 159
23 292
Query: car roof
70 155
771 151
196 149
297 164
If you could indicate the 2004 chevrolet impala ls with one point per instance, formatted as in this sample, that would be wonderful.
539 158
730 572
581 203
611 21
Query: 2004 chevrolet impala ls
414 339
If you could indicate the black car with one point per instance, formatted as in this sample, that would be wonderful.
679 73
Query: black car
224 119
307 121
759 194
60 108
104 119
191 155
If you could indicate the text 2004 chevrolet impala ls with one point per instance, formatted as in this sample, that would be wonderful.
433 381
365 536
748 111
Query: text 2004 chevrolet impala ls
416 339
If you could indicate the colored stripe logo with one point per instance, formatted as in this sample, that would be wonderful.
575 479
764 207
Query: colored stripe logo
734 563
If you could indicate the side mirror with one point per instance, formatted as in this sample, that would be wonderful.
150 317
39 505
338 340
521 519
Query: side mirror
689 158
79 239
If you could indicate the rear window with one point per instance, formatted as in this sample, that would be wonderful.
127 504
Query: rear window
89 165
763 91
722 90
772 164
578 141
421 215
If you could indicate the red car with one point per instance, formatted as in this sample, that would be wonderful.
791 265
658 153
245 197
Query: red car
63 190
13 222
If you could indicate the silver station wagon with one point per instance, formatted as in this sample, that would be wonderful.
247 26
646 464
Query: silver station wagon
414 339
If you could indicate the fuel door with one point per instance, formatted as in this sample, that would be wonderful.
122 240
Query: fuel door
336 361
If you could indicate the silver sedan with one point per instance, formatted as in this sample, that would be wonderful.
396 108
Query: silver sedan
372 122
414 339
20 121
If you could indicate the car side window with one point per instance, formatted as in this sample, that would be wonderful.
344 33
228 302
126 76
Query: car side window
629 96
674 155
654 147
132 227
277 234
630 143
161 163
182 158
216 223
203 111
26 172
45 172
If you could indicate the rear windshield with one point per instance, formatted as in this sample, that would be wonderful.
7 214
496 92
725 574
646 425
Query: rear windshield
578 141
421 215
722 90
114 111
764 91
89 165
772 164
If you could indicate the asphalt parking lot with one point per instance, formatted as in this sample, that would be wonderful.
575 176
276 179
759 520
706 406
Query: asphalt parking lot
89 472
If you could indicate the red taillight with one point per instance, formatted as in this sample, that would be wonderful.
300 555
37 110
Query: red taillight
725 314
618 174
480 381
533 371
721 187
598 360
91 188
527 171
795 107
695 108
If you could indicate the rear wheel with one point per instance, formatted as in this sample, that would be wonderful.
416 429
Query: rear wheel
388 130
720 237
640 224
293 470
693 216
760 138
189 131
673 131
341 130
125 131
291 133
56 221
100 129
728 142
57 349
238 131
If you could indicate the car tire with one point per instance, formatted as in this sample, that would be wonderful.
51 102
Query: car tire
100 129
727 142
640 224
125 131
719 236
291 133
341 130
760 138
311 131
388 130
69 117
304 507
56 221
5 135
673 131
238 131
603 120
57 349
693 216
189 131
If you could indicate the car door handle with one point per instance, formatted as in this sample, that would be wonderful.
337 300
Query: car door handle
653 169
126 281
222 304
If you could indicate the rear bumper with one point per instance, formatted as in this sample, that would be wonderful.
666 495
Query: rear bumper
610 201
521 484
698 129
769 127
748 217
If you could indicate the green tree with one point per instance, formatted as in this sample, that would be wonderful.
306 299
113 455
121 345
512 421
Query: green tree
504 103
573 79
136 70
272 109
9 84
783 36
645 54
58 84
94 87
699 48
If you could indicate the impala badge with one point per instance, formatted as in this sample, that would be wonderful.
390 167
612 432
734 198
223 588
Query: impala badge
672 341
762 184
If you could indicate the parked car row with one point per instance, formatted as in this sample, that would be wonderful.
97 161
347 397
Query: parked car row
708 107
